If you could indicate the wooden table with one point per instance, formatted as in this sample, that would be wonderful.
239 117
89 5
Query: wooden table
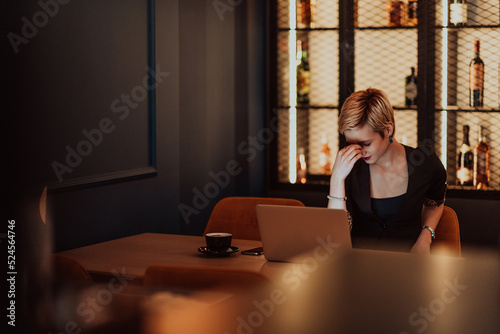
132 255
359 291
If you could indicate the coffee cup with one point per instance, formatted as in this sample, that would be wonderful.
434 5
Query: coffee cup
218 241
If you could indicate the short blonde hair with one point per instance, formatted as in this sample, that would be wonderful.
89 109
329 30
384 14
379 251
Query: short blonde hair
370 106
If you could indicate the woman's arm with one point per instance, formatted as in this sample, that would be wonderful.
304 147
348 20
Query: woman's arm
431 214
344 162
337 190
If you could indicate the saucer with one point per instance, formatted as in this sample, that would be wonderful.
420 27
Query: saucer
226 252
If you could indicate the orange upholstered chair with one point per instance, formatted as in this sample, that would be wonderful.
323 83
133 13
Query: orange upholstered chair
193 278
66 269
447 240
237 215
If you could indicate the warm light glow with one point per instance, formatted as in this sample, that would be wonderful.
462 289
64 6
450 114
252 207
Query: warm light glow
43 206
444 83
292 44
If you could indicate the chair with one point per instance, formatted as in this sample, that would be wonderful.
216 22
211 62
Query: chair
237 215
196 278
67 269
203 299
447 240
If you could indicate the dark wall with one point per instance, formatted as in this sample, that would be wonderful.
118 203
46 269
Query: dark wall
479 221
162 160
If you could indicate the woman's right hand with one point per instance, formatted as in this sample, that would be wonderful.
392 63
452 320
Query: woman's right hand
345 160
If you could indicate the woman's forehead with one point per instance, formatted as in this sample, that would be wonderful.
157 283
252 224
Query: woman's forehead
359 134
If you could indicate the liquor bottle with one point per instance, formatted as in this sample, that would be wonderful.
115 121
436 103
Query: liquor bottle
411 89
458 13
303 73
481 162
324 156
476 79
412 13
301 166
305 14
465 165
396 12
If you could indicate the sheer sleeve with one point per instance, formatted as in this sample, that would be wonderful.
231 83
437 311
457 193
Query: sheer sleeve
349 220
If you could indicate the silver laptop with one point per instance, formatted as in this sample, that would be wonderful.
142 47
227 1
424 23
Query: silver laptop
288 232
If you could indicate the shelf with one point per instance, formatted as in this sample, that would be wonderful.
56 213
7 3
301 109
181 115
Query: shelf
469 27
320 183
404 108
474 110
398 108
304 106
471 193
310 29
346 55
452 192
318 179
356 28
385 28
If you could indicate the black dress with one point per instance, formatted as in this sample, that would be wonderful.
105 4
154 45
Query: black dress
400 230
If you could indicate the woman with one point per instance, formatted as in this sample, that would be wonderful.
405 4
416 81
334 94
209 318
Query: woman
394 193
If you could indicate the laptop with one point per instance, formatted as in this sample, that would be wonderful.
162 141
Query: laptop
288 232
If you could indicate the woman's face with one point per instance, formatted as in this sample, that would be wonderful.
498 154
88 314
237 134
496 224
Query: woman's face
373 146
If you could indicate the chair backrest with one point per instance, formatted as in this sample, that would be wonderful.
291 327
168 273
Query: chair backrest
447 240
196 278
67 269
237 215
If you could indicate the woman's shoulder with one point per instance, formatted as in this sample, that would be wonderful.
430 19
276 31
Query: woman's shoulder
424 155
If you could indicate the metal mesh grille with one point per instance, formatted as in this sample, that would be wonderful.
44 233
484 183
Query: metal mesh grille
323 60
284 14
323 48
386 38
455 49
373 13
406 127
325 14
283 68
383 58
314 128
318 119
322 128
283 145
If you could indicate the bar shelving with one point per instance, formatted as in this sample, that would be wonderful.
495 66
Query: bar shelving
345 57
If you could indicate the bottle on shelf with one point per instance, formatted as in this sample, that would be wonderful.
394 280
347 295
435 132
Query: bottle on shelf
301 166
324 156
476 78
412 20
303 73
411 89
396 13
481 162
305 14
458 13
465 165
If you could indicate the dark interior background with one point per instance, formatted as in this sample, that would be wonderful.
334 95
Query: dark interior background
148 170
88 54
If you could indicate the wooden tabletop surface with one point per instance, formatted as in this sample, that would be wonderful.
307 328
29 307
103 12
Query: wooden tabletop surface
132 255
